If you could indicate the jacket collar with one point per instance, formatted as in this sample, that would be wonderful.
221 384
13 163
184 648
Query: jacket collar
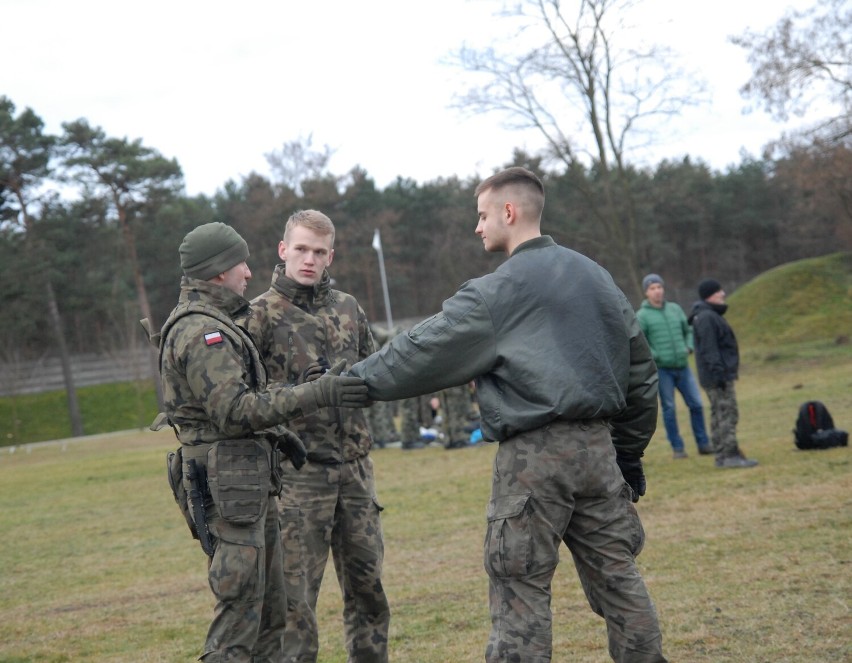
196 290
649 305
535 243
302 295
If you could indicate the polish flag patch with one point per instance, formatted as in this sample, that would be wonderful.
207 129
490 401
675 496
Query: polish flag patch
212 338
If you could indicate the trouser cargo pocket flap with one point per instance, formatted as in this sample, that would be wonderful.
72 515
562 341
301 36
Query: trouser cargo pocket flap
507 506
507 539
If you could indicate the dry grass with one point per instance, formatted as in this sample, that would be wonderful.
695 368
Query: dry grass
744 565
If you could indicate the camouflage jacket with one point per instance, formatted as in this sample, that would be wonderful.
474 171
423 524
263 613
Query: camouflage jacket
293 326
214 381
547 336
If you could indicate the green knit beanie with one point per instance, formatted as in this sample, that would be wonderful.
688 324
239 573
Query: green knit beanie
211 249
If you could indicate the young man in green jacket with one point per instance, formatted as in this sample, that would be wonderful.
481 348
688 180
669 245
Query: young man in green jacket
670 337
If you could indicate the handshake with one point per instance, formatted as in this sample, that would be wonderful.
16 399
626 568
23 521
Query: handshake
331 389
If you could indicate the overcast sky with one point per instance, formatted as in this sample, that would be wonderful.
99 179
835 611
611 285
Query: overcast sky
217 85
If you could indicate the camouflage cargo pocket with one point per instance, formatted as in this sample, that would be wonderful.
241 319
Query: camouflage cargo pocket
508 541
238 475
634 531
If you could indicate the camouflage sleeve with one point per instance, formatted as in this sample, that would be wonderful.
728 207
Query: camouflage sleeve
256 324
366 343
633 427
219 383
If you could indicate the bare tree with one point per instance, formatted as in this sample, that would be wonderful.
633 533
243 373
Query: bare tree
804 64
565 75
297 162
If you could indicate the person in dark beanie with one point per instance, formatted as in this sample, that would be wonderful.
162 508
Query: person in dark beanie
217 399
717 358
670 338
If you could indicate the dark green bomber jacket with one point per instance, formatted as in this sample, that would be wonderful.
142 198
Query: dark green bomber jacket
546 336
294 325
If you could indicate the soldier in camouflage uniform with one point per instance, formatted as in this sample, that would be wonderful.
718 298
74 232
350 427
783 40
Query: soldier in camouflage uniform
416 414
381 423
331 502
217 399
380 414
567 386
455 403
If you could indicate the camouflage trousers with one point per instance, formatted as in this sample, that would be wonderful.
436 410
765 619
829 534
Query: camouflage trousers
415 413
334 507
246 576
380 420
724 417
455 402
561 483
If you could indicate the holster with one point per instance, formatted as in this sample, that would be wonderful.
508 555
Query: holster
276 478
190 502
197 479
174 472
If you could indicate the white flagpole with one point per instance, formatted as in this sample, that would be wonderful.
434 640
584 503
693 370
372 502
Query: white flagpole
377 245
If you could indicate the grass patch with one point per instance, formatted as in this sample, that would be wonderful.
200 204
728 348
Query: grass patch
104 408
744 565
795 303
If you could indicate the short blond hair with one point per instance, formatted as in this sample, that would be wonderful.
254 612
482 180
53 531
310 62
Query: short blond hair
311 219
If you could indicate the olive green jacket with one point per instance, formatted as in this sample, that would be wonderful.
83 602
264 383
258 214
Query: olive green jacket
546 336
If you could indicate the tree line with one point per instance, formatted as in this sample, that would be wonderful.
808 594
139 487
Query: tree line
89 235
90 224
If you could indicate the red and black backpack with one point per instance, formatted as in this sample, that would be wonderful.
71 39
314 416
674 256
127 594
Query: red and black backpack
815 428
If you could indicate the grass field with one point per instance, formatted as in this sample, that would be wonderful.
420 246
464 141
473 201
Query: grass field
104 408
753 565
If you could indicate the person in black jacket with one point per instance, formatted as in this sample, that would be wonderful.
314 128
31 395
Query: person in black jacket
717 358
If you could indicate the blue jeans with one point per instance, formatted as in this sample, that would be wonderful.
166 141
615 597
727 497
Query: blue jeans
682 380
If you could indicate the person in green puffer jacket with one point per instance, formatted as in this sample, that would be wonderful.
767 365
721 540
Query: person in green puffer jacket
670 337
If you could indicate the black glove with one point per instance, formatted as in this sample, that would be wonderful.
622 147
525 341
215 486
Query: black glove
315 370
291 446
631 470
335 390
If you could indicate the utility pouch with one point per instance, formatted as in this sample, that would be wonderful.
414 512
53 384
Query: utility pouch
174 471
238 476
